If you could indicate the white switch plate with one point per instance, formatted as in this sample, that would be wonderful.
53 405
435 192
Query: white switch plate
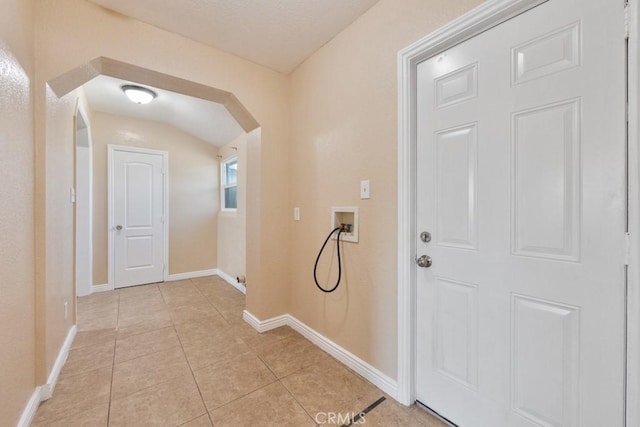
365 192
72 195
296 214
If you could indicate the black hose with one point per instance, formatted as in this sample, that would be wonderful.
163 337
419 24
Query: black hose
315 267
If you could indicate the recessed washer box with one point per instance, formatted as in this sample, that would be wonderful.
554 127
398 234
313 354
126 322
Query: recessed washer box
345 215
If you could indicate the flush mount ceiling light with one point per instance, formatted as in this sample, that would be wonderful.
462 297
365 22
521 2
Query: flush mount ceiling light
139 94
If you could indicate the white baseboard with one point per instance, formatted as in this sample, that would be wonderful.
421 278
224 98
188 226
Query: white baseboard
191 275
375 376
30 410
46 391
101 288
233 282
266 325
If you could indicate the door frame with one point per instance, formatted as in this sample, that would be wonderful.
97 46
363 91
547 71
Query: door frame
633 173
488 15
111 149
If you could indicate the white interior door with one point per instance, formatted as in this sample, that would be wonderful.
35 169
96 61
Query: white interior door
138 192
521 183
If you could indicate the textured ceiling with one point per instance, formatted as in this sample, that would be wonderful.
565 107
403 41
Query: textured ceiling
279 34
206 120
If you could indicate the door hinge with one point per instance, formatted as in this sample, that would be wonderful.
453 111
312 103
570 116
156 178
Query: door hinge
626 21
627 248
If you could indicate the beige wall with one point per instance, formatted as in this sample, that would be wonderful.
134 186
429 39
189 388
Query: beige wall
343 130
60 261
193 190
232 225
17 338
73 32
324 128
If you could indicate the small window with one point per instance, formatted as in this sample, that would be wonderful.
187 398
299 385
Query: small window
230 184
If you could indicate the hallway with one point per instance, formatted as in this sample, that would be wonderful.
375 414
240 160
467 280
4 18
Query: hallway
180 354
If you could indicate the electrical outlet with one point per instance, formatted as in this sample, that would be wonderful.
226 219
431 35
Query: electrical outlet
296 214
66 310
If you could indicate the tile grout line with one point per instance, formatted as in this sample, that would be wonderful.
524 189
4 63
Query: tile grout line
264 363
277 380
211 299
210 302
291 393
189 365
204 367
148 354
173 325
243 396
295 398
251 350
113 365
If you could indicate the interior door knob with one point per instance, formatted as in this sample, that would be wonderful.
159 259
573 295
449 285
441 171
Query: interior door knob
118 227
424 261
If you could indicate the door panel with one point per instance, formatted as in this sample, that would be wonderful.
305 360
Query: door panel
457 162
521 181
456 323
546 181
545 360
138 206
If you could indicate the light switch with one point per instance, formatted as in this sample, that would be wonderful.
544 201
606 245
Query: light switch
72 195
365 192
296 214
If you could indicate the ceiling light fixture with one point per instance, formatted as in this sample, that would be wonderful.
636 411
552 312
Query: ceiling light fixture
139 94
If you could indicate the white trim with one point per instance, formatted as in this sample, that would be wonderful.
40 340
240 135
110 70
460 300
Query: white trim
367 371
233 282
266 325
111 148
483 17
633 272
101 288
223 183
30 410
191 275
202 273
46 391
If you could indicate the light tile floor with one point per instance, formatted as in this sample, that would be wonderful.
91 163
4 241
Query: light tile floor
179 354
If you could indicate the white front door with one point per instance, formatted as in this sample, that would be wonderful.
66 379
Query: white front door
137 206
521 183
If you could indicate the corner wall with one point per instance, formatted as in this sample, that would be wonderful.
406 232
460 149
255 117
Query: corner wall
71 33
17 334
343 129
232 225
59 264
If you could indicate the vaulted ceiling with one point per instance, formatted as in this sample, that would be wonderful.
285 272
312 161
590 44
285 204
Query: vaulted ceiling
206 120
